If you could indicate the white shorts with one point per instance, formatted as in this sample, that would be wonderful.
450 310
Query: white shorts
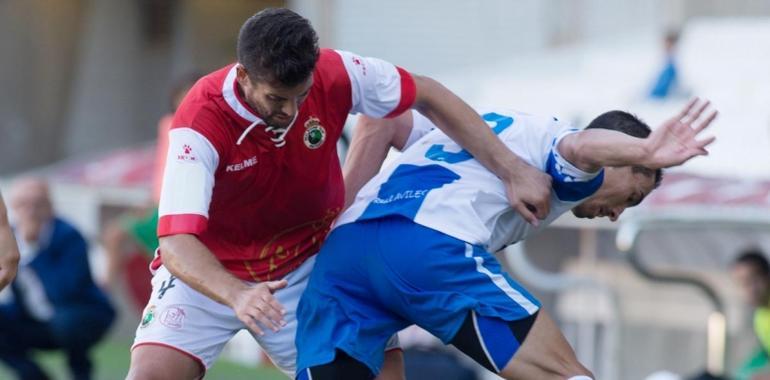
181 318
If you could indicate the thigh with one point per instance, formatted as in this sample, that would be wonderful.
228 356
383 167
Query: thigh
279 346
339 310
160 362
492 341
439 280
181 319
545 354
393 367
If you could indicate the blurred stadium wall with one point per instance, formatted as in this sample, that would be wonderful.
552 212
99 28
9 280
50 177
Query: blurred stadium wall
86 75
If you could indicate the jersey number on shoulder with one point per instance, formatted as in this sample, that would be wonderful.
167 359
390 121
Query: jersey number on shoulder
437 152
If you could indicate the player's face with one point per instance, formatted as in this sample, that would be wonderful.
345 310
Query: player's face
754 287
621 189
276 104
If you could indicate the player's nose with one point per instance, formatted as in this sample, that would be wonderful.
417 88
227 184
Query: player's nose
615 213
289 108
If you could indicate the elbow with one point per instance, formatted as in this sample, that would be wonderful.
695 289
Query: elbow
168 246
576 150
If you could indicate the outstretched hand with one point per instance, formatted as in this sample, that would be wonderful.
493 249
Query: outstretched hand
676 140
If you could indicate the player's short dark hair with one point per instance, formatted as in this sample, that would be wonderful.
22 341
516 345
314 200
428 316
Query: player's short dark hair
631 125
277 44
753 257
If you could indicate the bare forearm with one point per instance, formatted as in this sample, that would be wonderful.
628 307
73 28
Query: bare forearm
188 259
368 148
594 149
372 140
463 125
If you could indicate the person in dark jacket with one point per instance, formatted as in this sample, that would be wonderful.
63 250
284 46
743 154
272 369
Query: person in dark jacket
53 304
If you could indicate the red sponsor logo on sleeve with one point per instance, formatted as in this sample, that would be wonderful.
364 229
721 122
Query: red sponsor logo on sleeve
361 64
187 154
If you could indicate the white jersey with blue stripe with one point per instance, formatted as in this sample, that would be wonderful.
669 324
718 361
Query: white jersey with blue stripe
439 185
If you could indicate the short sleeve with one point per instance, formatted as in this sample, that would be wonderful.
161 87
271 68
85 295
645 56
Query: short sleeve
188 182
570 183
378 88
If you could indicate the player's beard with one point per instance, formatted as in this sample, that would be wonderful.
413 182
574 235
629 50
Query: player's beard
274 119
279 120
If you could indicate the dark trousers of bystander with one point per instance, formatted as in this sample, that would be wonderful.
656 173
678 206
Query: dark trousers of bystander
73 330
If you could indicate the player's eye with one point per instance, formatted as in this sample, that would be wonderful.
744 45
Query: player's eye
634 200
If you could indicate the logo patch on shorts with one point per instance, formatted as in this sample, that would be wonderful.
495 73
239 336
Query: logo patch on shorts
173 317
148 317
315 134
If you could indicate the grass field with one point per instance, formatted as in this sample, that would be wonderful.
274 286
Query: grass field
111 363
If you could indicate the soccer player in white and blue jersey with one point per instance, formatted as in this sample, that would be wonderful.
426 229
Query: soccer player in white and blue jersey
414 247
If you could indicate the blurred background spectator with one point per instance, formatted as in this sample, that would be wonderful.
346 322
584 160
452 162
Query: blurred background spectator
130 239
667 82
53 303
751 272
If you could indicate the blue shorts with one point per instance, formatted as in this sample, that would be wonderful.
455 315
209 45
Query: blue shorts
373 278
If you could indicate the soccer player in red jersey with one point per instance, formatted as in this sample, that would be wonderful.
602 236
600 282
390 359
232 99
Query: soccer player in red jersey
9 251
252 184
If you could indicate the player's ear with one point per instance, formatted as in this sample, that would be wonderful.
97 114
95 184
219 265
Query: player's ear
242 75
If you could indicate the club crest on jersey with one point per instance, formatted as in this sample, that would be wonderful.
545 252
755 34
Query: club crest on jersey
315 134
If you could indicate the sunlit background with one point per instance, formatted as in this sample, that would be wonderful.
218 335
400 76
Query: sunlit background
84 83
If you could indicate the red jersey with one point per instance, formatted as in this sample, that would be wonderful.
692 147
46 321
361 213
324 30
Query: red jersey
263 199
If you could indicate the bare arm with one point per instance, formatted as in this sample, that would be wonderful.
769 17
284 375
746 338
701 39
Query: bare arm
372 139
671 144
528 189
9 251
188 259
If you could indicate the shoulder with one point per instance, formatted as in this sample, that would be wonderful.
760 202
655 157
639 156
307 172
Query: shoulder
206 119
331 82
330 73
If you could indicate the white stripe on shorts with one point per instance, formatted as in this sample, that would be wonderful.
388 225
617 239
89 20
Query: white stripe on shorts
501 282
481 340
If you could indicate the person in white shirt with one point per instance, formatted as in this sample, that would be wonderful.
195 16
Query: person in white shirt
414 246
